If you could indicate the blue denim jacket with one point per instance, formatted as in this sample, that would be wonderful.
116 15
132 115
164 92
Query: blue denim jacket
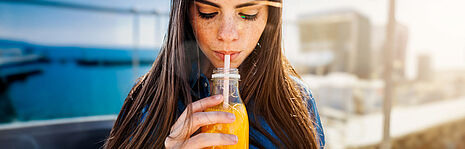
201 89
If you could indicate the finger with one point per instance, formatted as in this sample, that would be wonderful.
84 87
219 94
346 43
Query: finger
205 103
211 139
200 105
207 118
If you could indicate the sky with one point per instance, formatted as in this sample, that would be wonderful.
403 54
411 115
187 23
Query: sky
436 27
57 26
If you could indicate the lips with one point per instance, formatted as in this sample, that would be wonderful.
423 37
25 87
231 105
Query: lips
220 54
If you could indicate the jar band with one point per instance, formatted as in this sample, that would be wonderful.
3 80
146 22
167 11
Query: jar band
222 75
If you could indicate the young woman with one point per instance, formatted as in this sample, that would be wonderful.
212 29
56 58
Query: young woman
282 111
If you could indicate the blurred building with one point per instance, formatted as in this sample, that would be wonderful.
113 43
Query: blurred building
425 72
346 93
451 82
399 50
342 39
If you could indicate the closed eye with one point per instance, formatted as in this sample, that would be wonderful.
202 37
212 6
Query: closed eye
248 17
207 15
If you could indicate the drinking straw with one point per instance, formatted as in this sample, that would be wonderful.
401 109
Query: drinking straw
226 81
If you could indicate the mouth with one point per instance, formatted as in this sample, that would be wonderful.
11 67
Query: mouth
220 54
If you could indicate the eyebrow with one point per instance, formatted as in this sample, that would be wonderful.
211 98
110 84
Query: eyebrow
246 4
253 3
208 3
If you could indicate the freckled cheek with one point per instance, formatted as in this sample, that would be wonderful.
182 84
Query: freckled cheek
252 35
205 35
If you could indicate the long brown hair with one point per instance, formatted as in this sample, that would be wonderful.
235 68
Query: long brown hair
266 81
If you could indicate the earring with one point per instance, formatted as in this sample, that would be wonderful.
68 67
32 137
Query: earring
258 45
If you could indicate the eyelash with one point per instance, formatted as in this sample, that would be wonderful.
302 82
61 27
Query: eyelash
211 15
248 17
207 15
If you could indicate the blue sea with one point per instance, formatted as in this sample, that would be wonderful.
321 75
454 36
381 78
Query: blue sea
65 82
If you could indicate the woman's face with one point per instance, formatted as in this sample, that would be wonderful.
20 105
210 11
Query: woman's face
228 27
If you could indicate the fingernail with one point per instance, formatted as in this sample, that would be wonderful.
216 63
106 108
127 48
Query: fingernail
234 138
217 97
231 116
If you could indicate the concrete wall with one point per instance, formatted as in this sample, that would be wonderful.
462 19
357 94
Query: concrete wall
447 136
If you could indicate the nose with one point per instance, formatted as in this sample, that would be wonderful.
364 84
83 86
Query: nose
228 30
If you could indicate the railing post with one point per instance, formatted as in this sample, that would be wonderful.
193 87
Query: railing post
388 90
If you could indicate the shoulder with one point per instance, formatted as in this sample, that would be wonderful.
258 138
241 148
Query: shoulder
303 87
300 83
307 96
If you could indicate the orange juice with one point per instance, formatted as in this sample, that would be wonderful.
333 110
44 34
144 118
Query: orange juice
240 127
226 82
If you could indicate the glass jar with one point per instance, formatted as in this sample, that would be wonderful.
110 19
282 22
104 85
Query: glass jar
233 104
